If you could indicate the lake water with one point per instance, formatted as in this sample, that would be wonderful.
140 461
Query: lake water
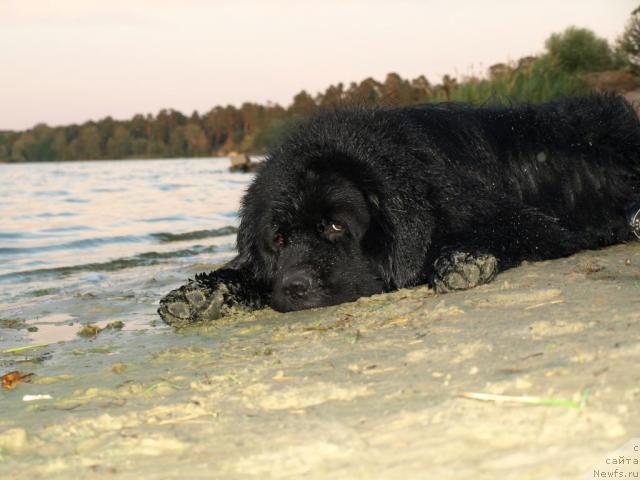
91 242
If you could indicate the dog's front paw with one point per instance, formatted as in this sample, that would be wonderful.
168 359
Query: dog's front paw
192 303
461 271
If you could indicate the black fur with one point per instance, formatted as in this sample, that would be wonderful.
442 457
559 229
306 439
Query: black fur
414 185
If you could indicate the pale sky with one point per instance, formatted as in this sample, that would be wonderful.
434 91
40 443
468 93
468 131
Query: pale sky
68 61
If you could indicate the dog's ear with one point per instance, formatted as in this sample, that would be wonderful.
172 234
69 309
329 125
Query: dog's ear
398 241
245 245
249 237
376 242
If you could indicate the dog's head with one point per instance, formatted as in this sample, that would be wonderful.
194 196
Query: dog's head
316 243
322 240
321 225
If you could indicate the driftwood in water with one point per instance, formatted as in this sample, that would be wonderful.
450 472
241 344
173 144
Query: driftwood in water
241 162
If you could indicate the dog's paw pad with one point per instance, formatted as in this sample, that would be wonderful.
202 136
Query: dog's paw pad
461 271
195 297
191 304
178 309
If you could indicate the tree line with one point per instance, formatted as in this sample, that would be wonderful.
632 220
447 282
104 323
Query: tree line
254 127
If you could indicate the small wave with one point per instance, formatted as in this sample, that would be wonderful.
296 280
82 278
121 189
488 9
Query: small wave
166 237
163 237
175 218
72 228
12 235
53 214
41 292
75 244
142 259
168 187
45 215
51 193
107 190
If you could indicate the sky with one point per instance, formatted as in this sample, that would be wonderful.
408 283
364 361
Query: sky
69 61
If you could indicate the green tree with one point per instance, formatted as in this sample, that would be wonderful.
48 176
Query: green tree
21 146
177 142
157 149
139 147
139 127
119 144
366 93
422 89
332 97
86 146
60 145
252 117
42 147
579 50
273 133
396 90
197 143
629 41
303 105
105 127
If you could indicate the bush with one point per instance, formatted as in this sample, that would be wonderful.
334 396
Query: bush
539 82
579 50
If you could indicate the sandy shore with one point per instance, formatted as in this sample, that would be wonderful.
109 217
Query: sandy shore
370 389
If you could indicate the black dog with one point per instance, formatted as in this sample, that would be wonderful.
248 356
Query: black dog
356 202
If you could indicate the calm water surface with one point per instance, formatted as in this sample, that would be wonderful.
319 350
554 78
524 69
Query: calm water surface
76 238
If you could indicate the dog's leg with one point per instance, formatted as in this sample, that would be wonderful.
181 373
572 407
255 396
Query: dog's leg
208 297
509 238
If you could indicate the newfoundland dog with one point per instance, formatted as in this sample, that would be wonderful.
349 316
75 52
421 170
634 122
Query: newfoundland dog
361 201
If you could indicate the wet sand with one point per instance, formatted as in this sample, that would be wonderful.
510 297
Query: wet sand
371 389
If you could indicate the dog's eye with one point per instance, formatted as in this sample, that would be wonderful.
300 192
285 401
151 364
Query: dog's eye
331 230
278 240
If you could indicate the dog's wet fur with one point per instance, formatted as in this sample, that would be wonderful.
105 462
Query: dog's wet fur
361 201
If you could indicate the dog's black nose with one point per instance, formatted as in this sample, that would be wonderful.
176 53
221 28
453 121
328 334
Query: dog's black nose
296 284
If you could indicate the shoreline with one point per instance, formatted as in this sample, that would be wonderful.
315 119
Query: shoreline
369 389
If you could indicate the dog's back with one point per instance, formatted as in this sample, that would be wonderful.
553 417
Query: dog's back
577 159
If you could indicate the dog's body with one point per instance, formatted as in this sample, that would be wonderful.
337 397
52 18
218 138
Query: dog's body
356 202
